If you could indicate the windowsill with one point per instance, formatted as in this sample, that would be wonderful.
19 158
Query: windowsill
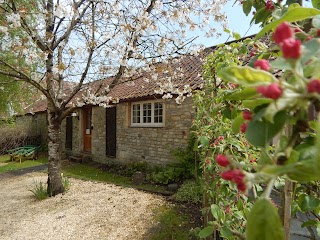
147 125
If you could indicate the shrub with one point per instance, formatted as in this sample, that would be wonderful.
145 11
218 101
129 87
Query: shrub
13 136
167 174
190 191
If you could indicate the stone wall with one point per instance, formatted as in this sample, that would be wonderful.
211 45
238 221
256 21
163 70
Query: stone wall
154 144
36 125
150 144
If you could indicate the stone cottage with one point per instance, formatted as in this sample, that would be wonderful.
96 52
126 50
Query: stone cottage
146 124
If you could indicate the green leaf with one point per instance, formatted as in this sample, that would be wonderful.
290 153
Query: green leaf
308 167
287 100
256 102
260 16
265 159
264 222
206 232
247 5
311 49
226 113
316 4
204 141
236 123
308 203
226 232
281 63
246 76
296 14
309 223
236 36
294 5
242 94
217 213
260 132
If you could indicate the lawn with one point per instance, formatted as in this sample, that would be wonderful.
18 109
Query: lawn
6 165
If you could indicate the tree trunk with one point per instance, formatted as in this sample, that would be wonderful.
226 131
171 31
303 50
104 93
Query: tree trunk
55 185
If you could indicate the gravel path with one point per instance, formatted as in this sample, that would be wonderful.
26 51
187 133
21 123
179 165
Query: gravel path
89 210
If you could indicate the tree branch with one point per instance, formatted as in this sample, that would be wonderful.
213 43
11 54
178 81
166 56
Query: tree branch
73 23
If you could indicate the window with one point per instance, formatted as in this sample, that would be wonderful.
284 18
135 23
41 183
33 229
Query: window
147 114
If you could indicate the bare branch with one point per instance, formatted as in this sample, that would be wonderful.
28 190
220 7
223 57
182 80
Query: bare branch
85 72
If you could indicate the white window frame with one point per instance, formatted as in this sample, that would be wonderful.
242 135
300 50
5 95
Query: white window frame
152 123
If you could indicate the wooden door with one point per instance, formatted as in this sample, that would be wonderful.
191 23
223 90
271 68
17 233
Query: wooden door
87 128
111 132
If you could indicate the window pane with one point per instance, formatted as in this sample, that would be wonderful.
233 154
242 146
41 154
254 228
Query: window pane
158 113
147 113
136 113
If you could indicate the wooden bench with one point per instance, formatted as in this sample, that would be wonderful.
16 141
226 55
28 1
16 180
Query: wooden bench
26 152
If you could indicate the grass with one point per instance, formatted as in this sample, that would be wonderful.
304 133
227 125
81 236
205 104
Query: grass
172 224
39 190
16 165
87 172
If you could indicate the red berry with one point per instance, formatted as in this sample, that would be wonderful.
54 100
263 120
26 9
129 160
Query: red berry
273 91
243 127
241 187
269 6
238 176
228 175
247 115
222 160
291 48
318 32
282 32
314 86
262 64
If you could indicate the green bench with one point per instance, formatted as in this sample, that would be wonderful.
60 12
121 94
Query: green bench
30 152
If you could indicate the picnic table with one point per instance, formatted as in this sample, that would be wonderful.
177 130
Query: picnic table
29 151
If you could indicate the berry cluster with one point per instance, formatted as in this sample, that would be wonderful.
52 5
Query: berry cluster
233 175
284 38
269 5
217 141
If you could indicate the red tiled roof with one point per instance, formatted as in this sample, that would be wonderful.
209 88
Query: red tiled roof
142 85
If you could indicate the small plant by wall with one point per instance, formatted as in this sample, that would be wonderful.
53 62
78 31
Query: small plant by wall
39 189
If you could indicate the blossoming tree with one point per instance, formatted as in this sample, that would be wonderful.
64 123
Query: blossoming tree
46 43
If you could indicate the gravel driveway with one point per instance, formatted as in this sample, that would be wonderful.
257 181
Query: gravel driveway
89 210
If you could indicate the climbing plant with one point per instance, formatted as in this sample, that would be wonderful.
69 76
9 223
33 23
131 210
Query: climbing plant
270 98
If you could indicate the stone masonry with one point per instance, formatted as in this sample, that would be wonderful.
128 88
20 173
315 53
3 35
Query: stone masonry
150 144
